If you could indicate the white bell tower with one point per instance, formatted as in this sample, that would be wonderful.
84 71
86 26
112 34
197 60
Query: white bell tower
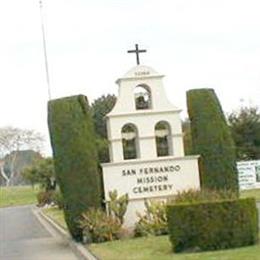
142 104
145 137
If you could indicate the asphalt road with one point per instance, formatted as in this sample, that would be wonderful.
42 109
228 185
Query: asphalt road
23 237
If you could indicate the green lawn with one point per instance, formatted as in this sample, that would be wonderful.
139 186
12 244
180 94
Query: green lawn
159 248
22 195
17 195
56 215
251 193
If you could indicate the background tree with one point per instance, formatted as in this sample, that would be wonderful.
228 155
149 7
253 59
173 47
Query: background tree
99 108
187 140
42 172
211 138
12 141
23 159
245 129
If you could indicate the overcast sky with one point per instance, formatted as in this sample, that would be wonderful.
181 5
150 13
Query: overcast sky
194 43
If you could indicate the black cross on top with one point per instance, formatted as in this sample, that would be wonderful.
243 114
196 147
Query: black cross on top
136 51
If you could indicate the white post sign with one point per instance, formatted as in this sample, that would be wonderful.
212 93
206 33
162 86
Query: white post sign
249 174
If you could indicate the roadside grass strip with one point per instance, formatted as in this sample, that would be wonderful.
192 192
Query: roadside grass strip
18 195
159 248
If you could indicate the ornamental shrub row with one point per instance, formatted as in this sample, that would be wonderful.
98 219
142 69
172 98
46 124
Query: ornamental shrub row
213 225
154 219
75 157
194 196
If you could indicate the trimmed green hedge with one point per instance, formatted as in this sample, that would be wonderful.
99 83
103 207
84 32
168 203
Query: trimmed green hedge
75 157
211 138
213 225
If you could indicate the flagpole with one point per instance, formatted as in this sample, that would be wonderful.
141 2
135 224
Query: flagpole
45 52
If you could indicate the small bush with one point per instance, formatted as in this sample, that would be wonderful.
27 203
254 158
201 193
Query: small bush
45 198
99 227
117 206
154 222
213 225
57 199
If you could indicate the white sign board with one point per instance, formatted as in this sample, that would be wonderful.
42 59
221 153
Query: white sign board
249 174
148 179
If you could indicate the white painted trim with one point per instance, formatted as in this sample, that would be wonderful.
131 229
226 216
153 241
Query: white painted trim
118 81
151 198
140 161
144 112
144 137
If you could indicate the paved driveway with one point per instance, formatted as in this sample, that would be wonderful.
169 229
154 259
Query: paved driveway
23 237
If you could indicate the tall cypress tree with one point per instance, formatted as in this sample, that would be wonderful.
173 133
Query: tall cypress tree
75 156
211 138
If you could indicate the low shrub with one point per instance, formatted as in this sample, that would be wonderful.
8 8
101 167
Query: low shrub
45 198
98 227
50 197
213 225
117 206
154 221
57 199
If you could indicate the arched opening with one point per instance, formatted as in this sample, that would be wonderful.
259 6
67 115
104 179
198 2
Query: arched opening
142 96
163 139
130 142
